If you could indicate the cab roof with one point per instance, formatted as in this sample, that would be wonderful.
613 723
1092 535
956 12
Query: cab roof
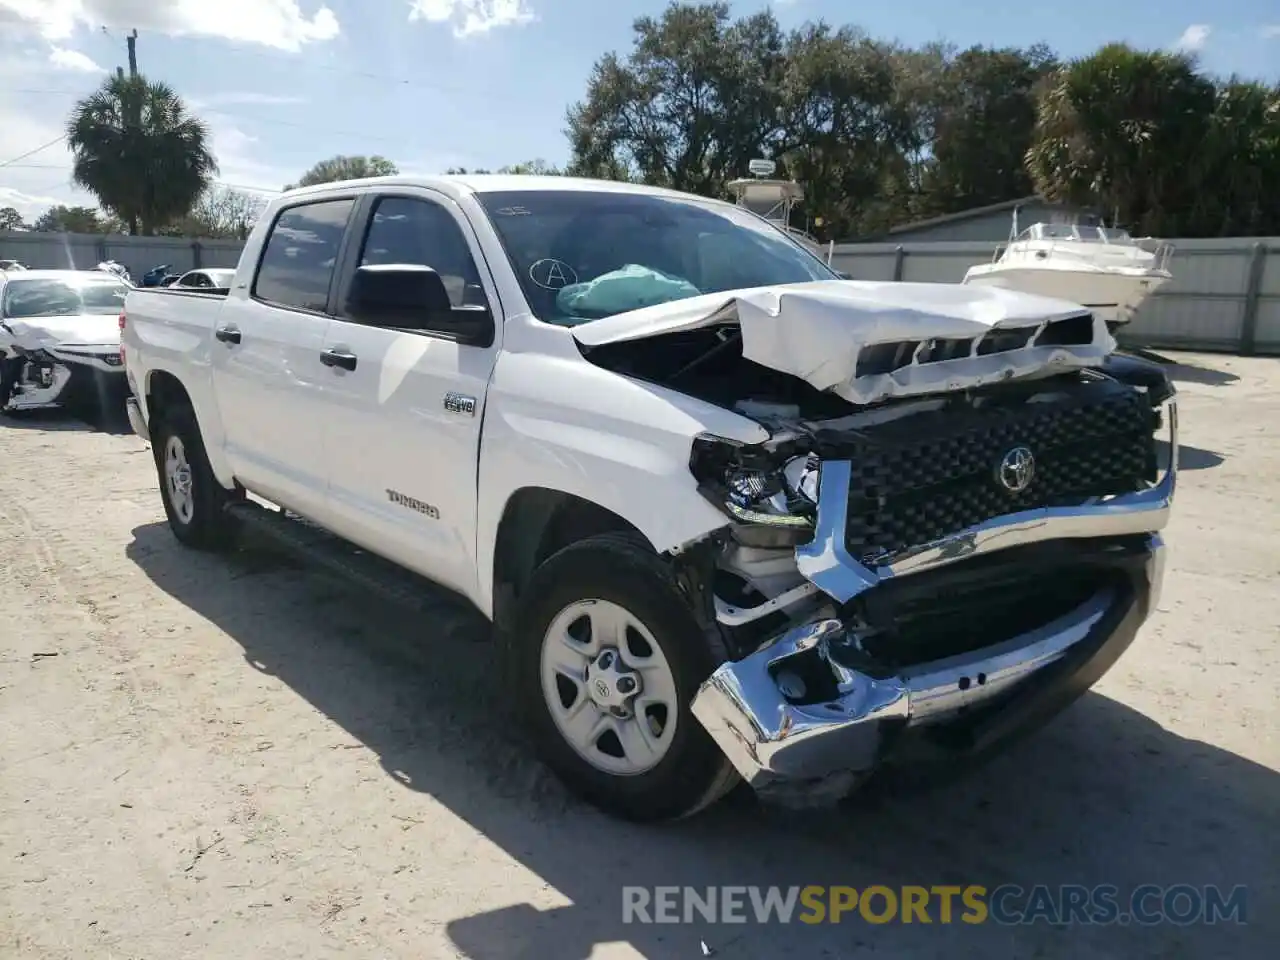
457 185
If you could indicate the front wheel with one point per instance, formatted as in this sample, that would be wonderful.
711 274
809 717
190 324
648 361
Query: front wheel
10 374
194 501
608 658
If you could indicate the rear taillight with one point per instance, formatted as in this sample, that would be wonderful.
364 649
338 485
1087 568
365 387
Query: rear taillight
122 337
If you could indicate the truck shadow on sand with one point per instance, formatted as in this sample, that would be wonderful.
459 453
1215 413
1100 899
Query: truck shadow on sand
1189 458
1103 795
56 419
1182 372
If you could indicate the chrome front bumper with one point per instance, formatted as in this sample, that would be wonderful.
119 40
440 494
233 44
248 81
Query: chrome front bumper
772 740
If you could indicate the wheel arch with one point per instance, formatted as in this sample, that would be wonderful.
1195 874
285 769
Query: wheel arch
537 522
162 392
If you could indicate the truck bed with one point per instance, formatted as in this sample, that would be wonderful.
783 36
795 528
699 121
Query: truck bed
208 293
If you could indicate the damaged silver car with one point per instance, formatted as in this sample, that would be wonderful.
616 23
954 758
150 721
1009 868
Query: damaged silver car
60 341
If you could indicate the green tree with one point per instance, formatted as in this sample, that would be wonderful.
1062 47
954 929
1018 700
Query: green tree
220 213
919 92
11 219
879 133
64 219
140 152
1123 129
693 103
1238 164
985 121
536 168
343 167
836 100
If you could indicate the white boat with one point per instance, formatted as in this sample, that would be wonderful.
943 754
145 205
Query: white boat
1102 268
773 200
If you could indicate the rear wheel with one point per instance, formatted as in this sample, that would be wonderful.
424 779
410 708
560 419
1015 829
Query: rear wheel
194 501
608 660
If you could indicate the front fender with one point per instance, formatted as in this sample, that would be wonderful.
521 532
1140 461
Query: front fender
560 423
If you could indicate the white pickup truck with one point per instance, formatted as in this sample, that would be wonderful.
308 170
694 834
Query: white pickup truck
732 516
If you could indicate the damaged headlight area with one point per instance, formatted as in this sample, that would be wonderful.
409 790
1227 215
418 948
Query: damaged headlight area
771 492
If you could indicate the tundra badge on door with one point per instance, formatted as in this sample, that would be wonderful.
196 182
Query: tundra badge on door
460 403
413 503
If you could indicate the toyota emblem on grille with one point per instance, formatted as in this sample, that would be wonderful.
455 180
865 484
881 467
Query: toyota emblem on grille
1016 469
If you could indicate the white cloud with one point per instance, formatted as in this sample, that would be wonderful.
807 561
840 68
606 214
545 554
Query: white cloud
239 162
281 24
1270 32
30 206
1194 38
65 59
37 182
43 179
471 17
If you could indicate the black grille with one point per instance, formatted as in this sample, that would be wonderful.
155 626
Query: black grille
921 478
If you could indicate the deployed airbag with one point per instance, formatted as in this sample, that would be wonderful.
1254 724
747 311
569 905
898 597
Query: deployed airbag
632 287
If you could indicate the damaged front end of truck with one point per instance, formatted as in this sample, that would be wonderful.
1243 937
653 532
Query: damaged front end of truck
951 533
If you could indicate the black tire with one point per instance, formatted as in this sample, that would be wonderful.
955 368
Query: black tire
208 526
693 773
10 370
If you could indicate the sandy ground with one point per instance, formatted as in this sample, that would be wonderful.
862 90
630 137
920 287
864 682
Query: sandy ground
231 757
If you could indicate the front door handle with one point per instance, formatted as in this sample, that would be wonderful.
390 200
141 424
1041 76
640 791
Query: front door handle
338 358
227 334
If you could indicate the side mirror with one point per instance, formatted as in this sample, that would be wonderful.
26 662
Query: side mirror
413 297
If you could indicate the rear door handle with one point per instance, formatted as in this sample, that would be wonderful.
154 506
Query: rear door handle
227 334
338 358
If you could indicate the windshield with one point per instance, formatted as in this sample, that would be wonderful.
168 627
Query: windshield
62 298
582 255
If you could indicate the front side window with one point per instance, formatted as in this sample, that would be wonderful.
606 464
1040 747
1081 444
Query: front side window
581 255
301 253
62 298
412 231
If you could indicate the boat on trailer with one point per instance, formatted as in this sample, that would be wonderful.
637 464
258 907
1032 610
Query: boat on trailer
1099 267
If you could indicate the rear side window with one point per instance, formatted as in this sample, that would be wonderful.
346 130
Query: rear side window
302 250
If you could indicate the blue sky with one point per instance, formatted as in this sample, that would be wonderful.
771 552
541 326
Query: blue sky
438 83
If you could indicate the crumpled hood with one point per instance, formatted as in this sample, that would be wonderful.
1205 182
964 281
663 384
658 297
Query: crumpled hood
820 331
34 333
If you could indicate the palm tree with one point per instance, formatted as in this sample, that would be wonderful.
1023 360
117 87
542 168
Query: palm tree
345 168
140 152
